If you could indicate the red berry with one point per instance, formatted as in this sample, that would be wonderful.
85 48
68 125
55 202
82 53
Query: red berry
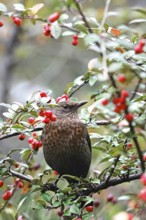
20 185
110 197
31 120
7 195
54 17
104 102
17 21
21 137
129 146
53 118
130 216
124 167
48 114
1 183
34 134
1 23
141 42
40 144
75 42
75 37
41 113
142 194
129 117
121 78
96 203
144 156
89 208
138 49
59 213
46 120
143 179
43 94
124 94
55 172
30 140
35 145
17 180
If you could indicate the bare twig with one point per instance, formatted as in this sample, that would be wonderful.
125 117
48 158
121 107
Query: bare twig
105 13
78 87
113 168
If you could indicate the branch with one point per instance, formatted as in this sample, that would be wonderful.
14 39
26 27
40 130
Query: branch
78 87
83 16
113 168
17 133
105 13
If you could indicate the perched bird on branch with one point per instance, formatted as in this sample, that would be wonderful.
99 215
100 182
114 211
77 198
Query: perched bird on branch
66 143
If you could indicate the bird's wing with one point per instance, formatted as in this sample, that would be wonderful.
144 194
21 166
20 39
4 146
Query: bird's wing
88 140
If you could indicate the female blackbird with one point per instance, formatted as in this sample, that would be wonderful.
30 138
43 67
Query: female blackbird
66 143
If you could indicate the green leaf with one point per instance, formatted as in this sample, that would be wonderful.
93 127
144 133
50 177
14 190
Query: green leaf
19 7
140 20
20 205
75 209
140 10
25 154
56 30
39 204
46 197
3 7
92 80
36 8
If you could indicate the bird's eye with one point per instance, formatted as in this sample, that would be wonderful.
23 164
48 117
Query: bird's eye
65 107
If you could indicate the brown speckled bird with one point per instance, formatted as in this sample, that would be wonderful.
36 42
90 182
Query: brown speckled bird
66 143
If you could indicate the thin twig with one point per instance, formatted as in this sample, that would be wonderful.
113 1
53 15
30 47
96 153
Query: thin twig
77 88
17 133
113 168
105 13
136 89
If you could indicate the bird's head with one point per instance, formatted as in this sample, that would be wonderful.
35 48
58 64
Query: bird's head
68 107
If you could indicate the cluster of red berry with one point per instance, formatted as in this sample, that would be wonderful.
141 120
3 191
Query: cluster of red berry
52 18
139 48
75 40
35 141
8 193
120 104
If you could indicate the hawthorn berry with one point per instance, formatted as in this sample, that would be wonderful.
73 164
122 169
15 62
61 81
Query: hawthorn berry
124 94
142 194
75 42
53 17
1 23
96 203
75 37
40 144
59 213
41 113
142 42
1 183
20 185
34 134
124 167
34 145
143 178
46 120
104 102
144 156
43 94
30 140
129 146
129 117
48 114
7 195
138 49
121 78
17 180
55 172
110 197
53 118
17 21
47 30
31 120
89 208
21 137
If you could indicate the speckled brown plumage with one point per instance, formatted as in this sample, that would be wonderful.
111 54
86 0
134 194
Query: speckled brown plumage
66 143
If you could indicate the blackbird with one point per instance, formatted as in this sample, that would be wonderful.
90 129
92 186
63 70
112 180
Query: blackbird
66 143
